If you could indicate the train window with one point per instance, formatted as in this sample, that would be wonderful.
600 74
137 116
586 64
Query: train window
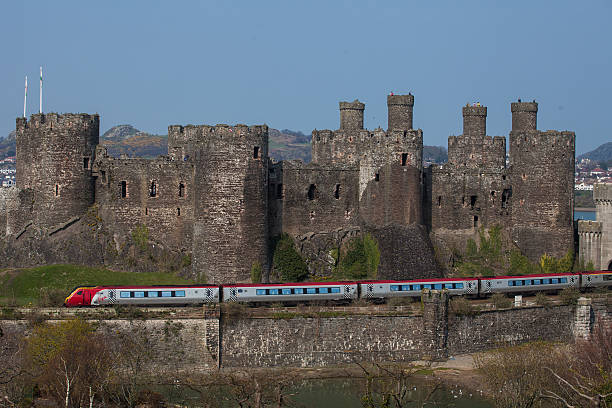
563 280
537 281
554 280
139 294
311 291
510 283
545 281
395 288
180 293
273 292
437 286
124 294
335 290
458 285
152 294
260 292
518 283
239 291
427 286
607 277
323 290
286 291
448 286
298 291
528 282
166 293
417 287
405 288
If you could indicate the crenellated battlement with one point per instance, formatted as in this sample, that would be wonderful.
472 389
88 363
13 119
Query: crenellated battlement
50 120
589 227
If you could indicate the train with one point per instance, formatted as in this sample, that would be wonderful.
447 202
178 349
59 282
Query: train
304 292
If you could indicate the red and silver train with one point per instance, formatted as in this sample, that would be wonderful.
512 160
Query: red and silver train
329 291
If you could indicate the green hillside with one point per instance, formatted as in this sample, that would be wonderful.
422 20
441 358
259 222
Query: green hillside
53 283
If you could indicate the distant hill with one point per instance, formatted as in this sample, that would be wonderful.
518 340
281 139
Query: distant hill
436 154
286 144
7 145
602 154
126 139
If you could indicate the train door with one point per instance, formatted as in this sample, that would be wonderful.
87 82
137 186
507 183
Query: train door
87 297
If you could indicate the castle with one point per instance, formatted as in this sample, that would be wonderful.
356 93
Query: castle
218 197
595 237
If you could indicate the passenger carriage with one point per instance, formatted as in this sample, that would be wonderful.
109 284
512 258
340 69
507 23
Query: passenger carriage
288 292
595 279
412 288
143 295
529 283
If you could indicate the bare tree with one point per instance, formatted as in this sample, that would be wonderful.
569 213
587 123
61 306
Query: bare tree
11 367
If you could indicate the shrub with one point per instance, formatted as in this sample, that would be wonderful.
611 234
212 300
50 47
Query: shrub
140 236
542 300
288 263
462 307
51 297
361 259
501 301
569 296
520 265
256 271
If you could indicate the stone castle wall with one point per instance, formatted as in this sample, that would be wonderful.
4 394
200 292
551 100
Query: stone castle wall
595 237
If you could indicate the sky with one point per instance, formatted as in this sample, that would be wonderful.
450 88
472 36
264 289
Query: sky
288 63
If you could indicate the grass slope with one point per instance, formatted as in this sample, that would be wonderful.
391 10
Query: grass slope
23 286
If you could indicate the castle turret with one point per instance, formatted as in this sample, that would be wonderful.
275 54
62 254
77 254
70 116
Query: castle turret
524 116
54 158
400 111
542 176
351 115
474 121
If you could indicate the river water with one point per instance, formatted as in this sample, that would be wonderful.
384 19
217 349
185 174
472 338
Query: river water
584 215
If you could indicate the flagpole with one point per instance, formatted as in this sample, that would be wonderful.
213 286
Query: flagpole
40 103
25 96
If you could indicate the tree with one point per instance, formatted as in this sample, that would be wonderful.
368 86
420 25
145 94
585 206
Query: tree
69 361
288 264
360 259
11 367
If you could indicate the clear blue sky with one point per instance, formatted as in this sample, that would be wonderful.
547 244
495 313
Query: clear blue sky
288 63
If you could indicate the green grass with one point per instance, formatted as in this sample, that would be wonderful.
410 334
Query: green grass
24 285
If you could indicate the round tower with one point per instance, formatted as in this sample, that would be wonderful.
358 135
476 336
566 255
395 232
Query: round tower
524 116
474 121
400 111
54 157
351 115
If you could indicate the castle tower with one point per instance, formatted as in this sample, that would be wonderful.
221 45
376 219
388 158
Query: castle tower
400 109
351 115
602 194
542 177
474 121
54 159
524 116
230 231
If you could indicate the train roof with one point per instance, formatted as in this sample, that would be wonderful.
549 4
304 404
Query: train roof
420 280
149 286
595 272
539 275
253 285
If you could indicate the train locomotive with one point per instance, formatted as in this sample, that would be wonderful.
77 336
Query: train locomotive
304 292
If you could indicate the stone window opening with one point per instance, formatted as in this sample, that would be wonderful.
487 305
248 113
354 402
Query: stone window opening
439 201
377 177
153 189
463 201
104 179
312 215
123 189
404 159
181 190
57 190
312 192
524 176
279 190
503 177
492 195
505 198
178 212
256 152
475 221
146 211
86 163
347 214
337 192
473 200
